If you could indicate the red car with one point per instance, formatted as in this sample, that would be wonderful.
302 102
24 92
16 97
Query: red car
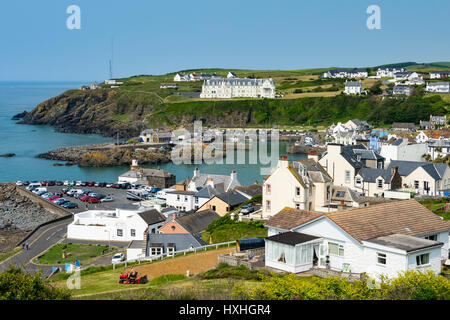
55 198
115 186
91 184
43 183
93 200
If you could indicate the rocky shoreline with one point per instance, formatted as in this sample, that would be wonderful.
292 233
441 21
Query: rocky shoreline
18 216
106 155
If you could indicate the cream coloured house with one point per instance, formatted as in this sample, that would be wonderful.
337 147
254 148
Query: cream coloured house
302 184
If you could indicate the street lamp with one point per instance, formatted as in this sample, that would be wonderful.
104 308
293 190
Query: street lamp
109 238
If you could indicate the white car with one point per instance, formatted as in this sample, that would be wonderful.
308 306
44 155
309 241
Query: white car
108 185
66 183
107 199
118 258
78 183
19 183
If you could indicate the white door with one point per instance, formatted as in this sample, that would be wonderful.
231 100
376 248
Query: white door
323 251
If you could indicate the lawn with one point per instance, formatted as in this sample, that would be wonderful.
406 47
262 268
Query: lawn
437 206
73 252
6 255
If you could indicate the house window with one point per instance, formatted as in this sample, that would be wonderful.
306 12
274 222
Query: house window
423 259
119 232
380 183
297 206
297 191
196 199
347 176
170 251
335 249
268 189
268 204
358 180
178 197
172 227
432 237
416 184
381 258
213 208
133 232
155 251
185 198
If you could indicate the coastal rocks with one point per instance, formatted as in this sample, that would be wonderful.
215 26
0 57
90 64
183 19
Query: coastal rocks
106 155
19 116
58 165
17 212
7 155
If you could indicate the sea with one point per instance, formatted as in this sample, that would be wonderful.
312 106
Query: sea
27 141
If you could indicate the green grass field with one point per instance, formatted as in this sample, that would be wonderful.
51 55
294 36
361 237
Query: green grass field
73 252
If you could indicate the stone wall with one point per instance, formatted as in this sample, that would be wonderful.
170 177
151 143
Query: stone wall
323 273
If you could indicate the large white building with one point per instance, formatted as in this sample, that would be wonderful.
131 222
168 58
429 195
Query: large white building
125 223
388 72
238 87
353 87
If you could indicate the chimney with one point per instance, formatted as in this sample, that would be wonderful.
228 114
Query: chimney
394 170
313 155
210 182
134 165
334 148
283 162
233 175
196 172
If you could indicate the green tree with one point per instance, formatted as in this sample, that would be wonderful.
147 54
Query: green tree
15 284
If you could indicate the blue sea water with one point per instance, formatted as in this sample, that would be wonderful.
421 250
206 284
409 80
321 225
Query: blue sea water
27 141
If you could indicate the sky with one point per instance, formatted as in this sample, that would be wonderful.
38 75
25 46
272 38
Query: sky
158 37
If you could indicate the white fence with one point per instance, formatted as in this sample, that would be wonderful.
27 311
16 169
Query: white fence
173 254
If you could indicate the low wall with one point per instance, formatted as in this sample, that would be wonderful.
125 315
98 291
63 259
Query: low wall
47 205
235 261
323 273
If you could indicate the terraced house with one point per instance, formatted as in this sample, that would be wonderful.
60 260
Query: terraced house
238 87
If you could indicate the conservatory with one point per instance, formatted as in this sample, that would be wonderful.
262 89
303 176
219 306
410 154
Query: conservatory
291 251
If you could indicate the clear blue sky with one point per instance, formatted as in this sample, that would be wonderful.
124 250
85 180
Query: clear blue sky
155 37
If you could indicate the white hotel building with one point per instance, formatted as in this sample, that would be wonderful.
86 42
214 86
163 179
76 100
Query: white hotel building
238 87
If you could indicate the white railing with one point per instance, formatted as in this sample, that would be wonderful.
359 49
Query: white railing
173 254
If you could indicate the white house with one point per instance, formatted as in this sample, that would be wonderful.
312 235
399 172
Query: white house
125 223
353 87
379 239
181 77
231 75
405 76
341 73
400 149
406 90
238 87
440 87
388 72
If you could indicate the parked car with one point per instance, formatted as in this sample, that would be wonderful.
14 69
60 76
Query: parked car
44 183
19 183
69 205
118 258
91 184
65 190
54 199
78 183
115 186
109 185
60 201
51 183
108 198
93 200
59 183
102 184
34 185
247 209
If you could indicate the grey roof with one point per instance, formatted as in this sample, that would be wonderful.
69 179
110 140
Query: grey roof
233 198
129 207
182 241
136 244
435 170
185 192
209 191
197 222
152 216
397 142
201 180
352 153
405 242
251 190
237 82
353 84
292 238
345 193
315 171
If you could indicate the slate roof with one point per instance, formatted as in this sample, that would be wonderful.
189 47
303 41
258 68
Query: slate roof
152 216
397 217
371 174
405 242
197 222
345 193
233 198
185 192
201 180
209 191
251 190
181 241
435 170
291 238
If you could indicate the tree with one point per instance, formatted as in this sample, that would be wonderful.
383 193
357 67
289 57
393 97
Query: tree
15 284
